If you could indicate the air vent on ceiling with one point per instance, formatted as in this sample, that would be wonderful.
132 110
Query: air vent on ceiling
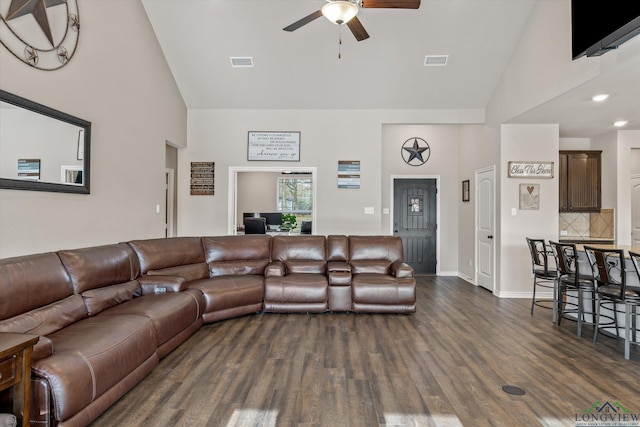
435 60
241 61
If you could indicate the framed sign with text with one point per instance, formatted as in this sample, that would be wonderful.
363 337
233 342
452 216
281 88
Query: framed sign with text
530 169
274 146
202 178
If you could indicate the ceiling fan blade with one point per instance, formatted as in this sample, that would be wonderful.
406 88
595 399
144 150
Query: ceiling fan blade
357 29
304 21
390 4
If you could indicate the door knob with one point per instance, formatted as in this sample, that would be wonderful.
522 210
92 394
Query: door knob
490 237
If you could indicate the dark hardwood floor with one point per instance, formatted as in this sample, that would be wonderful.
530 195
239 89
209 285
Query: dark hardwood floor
442 366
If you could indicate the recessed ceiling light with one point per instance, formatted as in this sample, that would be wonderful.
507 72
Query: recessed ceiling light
600 97
620 123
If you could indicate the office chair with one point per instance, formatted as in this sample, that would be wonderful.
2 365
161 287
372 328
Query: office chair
305 227
255 225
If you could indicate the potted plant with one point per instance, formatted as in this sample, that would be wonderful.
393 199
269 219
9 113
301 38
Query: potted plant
289 222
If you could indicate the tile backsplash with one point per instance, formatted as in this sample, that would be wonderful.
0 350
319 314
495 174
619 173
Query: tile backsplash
588 225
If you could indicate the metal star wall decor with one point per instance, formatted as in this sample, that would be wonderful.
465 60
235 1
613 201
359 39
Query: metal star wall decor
41 33
415 151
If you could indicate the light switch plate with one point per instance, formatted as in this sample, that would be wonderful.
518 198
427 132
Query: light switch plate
369 211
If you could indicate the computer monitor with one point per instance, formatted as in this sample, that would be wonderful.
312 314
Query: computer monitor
251 215
274 219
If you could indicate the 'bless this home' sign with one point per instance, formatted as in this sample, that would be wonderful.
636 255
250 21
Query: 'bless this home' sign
530 169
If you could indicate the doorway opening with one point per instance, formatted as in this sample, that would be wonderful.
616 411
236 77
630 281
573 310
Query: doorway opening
237 202
170 201
415 207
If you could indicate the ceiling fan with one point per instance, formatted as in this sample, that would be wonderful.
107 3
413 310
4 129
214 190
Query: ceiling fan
344 12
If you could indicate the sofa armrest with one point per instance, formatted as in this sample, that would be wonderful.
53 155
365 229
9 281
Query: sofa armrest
400 269
158 284
274 269
341 266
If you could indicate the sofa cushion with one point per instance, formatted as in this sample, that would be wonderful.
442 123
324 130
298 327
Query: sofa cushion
225 292
170 313
296 288
236 255
93 355
299 248
337 248
388 248
30 282
46 320
374 254
156 254
99 266
100 299
187 272
236 268
305 266
369 266
383 290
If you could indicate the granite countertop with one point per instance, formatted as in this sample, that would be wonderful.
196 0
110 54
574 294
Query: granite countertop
578 239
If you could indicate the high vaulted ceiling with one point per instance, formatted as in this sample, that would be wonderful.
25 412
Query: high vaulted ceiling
301 69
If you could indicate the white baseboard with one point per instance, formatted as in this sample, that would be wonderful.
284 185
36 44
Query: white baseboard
466 278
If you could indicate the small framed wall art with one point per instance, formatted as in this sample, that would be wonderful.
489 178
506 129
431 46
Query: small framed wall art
529 196
465 190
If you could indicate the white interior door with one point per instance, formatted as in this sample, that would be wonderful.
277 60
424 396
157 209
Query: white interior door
635 210
485 227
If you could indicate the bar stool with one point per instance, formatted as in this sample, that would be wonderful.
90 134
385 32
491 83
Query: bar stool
631 296
570 279
543 275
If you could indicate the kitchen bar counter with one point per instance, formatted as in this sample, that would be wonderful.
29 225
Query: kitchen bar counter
625 248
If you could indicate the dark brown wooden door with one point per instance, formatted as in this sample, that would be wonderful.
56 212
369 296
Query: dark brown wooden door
414 221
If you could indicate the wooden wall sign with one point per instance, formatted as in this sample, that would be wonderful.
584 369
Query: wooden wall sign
202 178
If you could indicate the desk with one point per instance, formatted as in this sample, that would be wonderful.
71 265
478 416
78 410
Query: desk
15 371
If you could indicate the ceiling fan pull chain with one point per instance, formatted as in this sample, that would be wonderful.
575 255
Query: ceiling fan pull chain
339 41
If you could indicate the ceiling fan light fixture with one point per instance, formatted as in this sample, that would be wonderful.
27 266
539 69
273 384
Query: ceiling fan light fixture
339 11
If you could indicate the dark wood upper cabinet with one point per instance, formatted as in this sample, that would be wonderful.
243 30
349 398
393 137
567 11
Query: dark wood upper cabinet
580 181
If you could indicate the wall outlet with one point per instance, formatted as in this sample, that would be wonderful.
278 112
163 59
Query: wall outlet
564 233
514 211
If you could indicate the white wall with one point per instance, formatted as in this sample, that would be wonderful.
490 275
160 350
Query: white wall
479 149
444 142
524 142
257 192
541 67
327 136
119 81
609 169
626 140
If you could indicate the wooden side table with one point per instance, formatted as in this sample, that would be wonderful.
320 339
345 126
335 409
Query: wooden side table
15 371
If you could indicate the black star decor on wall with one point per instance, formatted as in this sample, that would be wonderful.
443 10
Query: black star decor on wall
415 151
53 44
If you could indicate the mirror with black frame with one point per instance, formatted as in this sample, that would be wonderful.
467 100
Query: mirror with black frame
42 149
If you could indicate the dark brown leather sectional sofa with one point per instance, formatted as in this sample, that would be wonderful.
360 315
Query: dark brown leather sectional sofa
106 315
